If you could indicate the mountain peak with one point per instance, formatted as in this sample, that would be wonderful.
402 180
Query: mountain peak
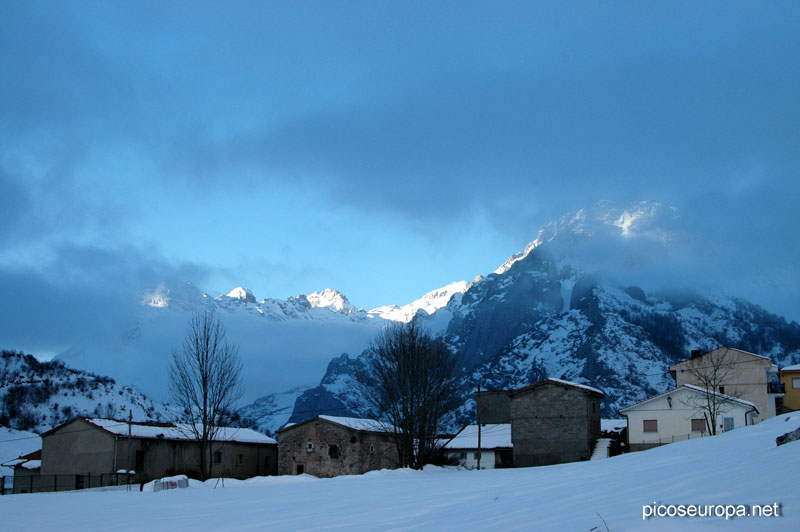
330 298
604 219
242 294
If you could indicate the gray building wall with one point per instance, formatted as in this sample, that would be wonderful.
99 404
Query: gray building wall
494 407
553 424
309 445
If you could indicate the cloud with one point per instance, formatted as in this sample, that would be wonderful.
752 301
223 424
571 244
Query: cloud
79 291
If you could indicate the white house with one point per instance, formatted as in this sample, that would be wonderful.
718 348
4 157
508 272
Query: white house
678 415
496 448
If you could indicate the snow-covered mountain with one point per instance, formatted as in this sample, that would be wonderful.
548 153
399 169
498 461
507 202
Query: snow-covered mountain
37 395
569 305
543 315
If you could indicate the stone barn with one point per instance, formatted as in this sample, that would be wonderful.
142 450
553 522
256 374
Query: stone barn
328 446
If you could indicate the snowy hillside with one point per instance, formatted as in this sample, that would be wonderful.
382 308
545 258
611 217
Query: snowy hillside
737 468
36 396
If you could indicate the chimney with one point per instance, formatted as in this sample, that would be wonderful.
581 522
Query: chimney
696 353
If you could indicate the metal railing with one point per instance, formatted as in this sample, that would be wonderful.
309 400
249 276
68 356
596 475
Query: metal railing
49 483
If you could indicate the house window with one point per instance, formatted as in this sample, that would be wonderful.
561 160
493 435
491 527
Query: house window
139 461
372 449
241 458
300 469
795 382
650 425
463 456
353 439
698 425
217 457
721 389
310 446
333 451
476 455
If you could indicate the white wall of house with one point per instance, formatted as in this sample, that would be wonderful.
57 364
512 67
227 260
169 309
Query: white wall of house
673 413
468 458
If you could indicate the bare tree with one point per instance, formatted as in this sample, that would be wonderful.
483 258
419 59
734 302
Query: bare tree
205 382
410 378
715 373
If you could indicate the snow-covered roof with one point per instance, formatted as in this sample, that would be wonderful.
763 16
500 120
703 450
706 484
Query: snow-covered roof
31 464
176 431
561 382
355 423
368 425
795 367
28 461
493 436
695 389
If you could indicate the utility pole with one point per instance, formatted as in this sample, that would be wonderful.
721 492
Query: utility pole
478 410
130 420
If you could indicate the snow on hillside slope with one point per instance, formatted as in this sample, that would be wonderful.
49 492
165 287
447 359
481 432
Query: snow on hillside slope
739 467
430 303
37 395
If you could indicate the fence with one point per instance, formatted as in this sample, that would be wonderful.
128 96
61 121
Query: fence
650 443
48 483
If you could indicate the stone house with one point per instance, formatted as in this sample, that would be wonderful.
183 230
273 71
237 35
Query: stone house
496 450
328 446
747 376
85 447
790 384
552 421
678 415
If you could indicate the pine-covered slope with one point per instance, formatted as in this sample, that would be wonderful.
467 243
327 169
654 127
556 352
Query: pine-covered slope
36 396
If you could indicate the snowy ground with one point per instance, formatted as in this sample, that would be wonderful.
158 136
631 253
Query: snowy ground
741 467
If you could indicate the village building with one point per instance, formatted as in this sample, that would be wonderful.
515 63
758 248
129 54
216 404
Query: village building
329 446
552 421
747 376
790 384
679 414
495 448
90 452
26 472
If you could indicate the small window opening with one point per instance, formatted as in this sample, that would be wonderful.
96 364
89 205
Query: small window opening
333 451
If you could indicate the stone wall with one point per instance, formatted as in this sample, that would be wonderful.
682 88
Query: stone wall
553 424
494 407
324 449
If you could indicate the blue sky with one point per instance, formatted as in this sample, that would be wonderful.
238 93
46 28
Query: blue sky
383 148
